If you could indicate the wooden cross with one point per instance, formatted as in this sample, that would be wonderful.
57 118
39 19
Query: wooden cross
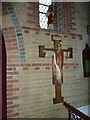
57 64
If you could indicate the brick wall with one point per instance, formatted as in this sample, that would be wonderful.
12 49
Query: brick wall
65 17
68 17
30 90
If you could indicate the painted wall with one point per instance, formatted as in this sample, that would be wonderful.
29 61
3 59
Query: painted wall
30 90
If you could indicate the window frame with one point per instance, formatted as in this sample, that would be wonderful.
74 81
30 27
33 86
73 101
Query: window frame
42 14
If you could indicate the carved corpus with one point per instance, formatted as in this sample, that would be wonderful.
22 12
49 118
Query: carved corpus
57 64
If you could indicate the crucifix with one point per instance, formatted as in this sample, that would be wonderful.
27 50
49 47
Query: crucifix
57 64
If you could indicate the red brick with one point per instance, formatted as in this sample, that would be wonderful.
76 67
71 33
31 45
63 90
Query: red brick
73 37
15 52
25 68
9 111
13 115
73 34
37 68
73 18
26 64
47 33
12 48
12 32
9 102
35 12
9 86
26 31
36 32
10 40
13 106
72 23
9 73
47 68
8 44
11 28
35 29
13 98
24 27
3 7
66 67
74 66
37 64
5 29
9 94
79 35
80 38
11 65
12 73
13 89
30 14
12 81
5 13
9 69
65 36
13 56
47 64
9 77
15 44
9 52
14 68
6 36
16 72
72 28
13 36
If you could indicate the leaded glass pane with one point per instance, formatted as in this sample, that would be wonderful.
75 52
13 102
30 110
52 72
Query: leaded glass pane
46 2
43 21
43 7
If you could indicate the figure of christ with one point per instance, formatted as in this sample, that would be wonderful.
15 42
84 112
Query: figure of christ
58 62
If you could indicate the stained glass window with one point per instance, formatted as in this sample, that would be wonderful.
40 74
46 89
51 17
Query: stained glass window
43 7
